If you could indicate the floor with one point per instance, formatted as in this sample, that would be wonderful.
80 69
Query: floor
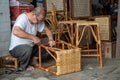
90 71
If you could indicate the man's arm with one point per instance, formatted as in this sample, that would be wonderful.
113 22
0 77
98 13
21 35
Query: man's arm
50 36
22 34
48 33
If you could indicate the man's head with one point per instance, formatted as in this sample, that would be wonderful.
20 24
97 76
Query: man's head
39 13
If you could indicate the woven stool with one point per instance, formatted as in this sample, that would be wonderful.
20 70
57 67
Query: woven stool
9 61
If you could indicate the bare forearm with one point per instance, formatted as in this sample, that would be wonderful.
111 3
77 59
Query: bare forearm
50 36
49 33
22 34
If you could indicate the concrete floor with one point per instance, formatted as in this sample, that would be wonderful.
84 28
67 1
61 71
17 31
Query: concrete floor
90 71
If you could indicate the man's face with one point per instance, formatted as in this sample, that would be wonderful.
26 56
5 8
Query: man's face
40 17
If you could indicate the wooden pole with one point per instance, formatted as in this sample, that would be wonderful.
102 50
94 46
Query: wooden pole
118 33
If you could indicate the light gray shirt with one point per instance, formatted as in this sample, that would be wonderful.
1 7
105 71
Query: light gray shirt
23 22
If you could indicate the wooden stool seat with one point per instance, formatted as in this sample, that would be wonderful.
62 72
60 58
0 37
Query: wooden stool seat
9 61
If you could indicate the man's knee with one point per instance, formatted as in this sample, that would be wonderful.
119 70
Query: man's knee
28 50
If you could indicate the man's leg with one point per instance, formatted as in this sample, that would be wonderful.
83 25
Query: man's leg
35 53
43 51
34 59
23 53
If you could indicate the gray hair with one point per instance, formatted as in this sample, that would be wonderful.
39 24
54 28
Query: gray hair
37 10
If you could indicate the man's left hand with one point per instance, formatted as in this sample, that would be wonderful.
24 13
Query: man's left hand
51 43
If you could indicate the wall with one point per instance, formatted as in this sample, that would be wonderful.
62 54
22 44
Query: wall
5 27
118 34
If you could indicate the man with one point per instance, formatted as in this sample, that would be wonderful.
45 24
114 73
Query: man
24 39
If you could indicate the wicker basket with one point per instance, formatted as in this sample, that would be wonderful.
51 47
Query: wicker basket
67 58
9 61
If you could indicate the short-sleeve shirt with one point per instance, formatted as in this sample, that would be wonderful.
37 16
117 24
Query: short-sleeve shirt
23 22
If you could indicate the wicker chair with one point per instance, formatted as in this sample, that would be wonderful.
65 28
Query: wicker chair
66 56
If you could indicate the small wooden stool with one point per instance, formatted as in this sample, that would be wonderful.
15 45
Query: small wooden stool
67 58
5 62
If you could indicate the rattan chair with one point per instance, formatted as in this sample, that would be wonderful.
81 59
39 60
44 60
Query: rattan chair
66 56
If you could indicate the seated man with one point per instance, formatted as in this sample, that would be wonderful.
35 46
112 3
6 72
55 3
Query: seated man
24 39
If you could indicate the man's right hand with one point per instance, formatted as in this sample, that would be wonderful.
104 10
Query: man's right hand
36 40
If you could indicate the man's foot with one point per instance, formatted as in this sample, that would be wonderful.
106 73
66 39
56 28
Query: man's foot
30 68
35 62
18 71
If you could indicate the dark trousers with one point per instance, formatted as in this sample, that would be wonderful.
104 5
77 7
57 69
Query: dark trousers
25 52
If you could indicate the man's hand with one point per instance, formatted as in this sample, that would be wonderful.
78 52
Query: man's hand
36 40
51 43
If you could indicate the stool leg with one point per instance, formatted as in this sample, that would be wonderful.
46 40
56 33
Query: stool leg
16 64
0 62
